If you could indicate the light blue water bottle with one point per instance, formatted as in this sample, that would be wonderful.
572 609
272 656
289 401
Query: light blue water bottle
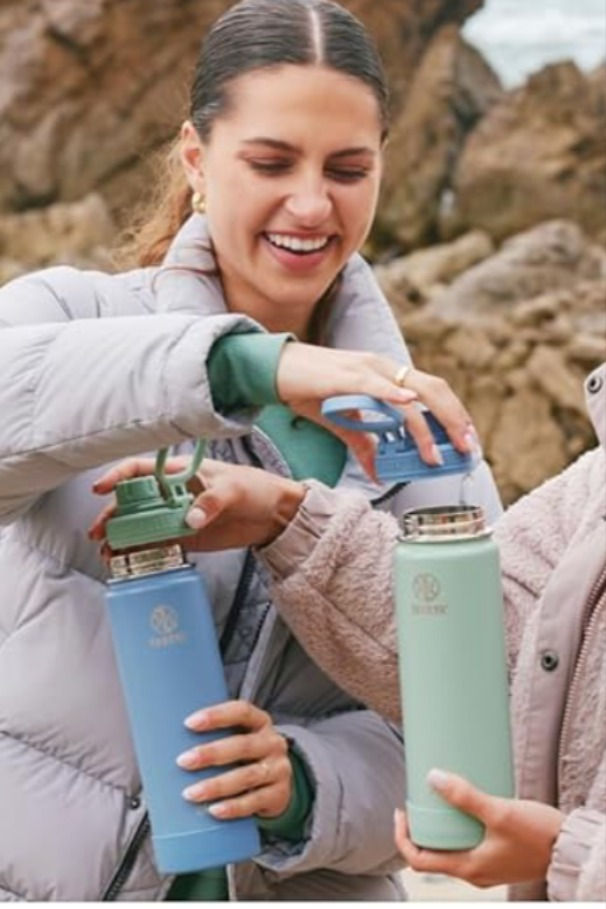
170 666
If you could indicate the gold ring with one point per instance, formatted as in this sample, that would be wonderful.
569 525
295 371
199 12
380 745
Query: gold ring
400 376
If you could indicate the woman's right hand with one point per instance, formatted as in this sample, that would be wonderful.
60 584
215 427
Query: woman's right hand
308 374
243 506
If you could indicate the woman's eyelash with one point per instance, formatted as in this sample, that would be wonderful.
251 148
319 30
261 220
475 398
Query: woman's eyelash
270 167
343 174
348 174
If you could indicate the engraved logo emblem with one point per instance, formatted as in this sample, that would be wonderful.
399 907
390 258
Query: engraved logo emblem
426 587
164 620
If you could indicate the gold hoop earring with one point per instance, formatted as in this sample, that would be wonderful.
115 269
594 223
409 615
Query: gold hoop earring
198 203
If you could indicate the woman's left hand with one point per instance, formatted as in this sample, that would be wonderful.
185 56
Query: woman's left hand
517 843
262 785
238 505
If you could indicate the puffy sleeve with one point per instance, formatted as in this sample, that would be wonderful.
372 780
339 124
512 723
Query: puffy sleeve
77 390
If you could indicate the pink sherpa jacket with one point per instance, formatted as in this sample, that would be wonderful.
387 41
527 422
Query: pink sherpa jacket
332 583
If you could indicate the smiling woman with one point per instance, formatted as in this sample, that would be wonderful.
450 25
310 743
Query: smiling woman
290 189
276 177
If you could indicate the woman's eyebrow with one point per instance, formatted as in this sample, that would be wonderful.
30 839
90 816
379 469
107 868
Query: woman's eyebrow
359 150
272 143
280 145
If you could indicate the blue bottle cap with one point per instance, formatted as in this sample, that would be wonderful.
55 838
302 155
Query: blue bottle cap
397 458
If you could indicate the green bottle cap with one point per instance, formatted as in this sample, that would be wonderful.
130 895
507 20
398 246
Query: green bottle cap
152 509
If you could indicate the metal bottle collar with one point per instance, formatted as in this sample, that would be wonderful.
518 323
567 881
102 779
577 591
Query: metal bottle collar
443 523
146 561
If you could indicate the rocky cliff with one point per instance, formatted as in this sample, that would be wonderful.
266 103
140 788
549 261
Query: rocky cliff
510 309
89 88
515 331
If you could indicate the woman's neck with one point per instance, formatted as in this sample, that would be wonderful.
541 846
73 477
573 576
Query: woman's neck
276 322
274 318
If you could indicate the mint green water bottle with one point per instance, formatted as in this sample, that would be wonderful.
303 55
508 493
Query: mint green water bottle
453 669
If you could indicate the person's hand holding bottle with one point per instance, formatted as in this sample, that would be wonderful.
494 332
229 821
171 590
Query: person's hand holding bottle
248 506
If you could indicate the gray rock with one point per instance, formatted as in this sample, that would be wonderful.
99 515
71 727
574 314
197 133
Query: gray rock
550 371
76 233
435 265
552 256
538 153
451 89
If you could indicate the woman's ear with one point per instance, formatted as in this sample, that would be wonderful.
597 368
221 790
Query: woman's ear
191 153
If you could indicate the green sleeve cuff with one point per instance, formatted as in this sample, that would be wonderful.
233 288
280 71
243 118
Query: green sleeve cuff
242 370
290 825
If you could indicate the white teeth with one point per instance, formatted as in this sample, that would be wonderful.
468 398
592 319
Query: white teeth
297 244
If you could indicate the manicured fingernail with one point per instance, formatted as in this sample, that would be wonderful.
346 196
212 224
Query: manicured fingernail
187 760
436 455
407 397
218 810
194 793
437 779
196 518
197 720
470 441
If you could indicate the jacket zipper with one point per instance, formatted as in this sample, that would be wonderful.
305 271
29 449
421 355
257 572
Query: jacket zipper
389 494
596 594
128 861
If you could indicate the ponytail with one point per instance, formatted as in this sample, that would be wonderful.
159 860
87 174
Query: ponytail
155 224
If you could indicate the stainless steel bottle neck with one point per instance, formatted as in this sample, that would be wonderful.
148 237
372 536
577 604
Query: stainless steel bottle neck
146 561
443 523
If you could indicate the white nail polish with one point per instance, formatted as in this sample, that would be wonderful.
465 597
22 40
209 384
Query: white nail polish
437 779
186 760
218 810
436 455
193 794
195 517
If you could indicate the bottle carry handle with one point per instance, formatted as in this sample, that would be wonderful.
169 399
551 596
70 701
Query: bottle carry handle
173 484
334 408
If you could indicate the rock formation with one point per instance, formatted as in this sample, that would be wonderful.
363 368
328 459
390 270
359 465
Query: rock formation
515 336
88 88
452 89
539 153
511 310
79 233
555 255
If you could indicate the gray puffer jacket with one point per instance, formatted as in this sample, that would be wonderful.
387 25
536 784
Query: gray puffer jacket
95 368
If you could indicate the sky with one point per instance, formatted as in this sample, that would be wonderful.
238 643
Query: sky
518 37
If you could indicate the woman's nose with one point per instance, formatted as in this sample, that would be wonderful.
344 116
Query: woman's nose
310 204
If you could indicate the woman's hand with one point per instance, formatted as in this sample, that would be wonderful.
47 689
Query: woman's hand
247 506
263 785
307 375
517 843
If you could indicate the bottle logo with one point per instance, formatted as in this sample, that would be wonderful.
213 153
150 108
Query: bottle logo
426 589
164 621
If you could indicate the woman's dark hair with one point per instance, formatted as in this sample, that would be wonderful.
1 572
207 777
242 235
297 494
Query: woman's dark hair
255 34
252 35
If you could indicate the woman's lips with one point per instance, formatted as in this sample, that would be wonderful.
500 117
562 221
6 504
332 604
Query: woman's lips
298 261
